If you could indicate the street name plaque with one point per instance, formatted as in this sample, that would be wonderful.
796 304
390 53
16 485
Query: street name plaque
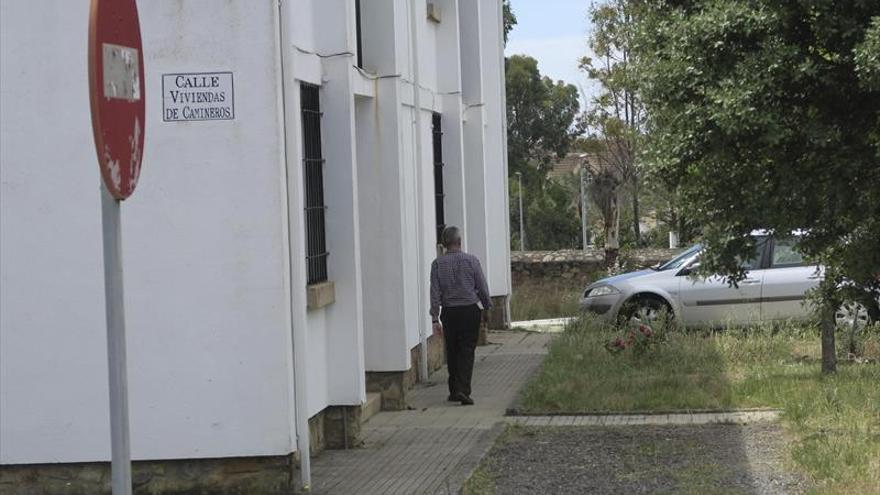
197 96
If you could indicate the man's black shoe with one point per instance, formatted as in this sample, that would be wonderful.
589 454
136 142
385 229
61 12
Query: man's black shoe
456 397
466 401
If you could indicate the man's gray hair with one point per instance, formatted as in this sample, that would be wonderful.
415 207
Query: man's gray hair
451 236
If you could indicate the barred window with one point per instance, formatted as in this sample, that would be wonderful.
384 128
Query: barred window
358 35
313 165
438 174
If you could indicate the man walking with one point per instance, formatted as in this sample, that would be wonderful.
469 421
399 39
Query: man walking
457 285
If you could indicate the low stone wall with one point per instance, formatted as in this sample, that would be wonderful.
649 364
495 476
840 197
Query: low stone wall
228 476
577 264
393 385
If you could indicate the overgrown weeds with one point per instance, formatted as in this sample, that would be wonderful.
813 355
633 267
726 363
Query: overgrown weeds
834 421
539 299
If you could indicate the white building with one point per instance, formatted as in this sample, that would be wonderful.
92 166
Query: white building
230 328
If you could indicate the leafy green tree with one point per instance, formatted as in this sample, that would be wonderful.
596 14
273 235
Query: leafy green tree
540 117
541 126
552 220
615 117
508 17
767 115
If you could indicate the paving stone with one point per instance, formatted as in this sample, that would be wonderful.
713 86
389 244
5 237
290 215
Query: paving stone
741 417
433 447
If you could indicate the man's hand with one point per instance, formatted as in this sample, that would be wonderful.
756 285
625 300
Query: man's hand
485 317
438 329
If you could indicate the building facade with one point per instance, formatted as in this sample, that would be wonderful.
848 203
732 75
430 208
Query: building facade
277 249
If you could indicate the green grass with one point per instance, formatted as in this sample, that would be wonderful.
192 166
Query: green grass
536 300
833 422
480 482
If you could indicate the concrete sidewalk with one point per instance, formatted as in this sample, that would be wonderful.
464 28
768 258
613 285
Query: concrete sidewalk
433 447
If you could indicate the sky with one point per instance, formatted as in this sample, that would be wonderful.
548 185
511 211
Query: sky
554 32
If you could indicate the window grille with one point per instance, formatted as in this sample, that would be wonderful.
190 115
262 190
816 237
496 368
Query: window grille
313 165
357 24
438 174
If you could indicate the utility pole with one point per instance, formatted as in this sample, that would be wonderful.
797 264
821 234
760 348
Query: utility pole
522 232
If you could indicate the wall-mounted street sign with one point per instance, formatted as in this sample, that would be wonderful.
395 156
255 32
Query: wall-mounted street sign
197 96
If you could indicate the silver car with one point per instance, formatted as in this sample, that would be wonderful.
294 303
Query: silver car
774 289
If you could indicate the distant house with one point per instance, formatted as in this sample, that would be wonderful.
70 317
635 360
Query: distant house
569 167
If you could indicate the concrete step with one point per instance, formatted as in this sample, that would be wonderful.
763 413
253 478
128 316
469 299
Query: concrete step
371 407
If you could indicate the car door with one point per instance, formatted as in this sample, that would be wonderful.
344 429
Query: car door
713 302
786 282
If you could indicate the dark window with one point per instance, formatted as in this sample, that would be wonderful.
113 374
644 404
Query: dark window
438 174
313 164
785 254
357 25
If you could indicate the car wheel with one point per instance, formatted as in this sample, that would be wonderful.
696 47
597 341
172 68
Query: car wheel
852 316
644 309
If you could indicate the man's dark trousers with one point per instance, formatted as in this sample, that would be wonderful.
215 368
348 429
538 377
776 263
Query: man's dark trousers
461 327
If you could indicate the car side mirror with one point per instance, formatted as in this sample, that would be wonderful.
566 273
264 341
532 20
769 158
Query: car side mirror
688 270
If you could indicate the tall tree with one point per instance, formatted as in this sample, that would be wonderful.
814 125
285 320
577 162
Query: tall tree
508 17
541 126
616 115
540 117
767 115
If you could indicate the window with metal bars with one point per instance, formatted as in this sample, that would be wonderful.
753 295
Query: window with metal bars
357 25
313 165
437 134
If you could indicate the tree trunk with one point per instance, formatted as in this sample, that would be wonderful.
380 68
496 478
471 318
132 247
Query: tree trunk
611 256
612 232
635 207
829 354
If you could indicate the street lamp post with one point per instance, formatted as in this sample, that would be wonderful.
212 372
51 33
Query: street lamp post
522 232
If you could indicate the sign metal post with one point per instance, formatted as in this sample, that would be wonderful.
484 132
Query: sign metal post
116 356
116 69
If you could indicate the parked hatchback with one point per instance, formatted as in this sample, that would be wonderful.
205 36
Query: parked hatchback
774 289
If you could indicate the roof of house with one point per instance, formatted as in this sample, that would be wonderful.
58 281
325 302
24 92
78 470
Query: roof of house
567 166
571 164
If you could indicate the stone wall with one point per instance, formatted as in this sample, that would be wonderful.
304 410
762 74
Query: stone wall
577 264
393 385
228 476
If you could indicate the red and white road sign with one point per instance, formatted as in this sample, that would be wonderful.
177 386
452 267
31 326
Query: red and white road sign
116 87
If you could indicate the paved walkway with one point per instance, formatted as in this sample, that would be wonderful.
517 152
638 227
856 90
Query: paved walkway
434 447
734 417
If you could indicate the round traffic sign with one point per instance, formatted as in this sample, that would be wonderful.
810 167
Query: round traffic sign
116 70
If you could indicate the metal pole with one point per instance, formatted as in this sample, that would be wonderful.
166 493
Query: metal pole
583 207
522 232
120 467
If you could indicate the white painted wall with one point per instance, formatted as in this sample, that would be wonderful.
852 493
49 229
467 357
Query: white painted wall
208 338
472 75
495 165
214 250
460 62
381 226
53 374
